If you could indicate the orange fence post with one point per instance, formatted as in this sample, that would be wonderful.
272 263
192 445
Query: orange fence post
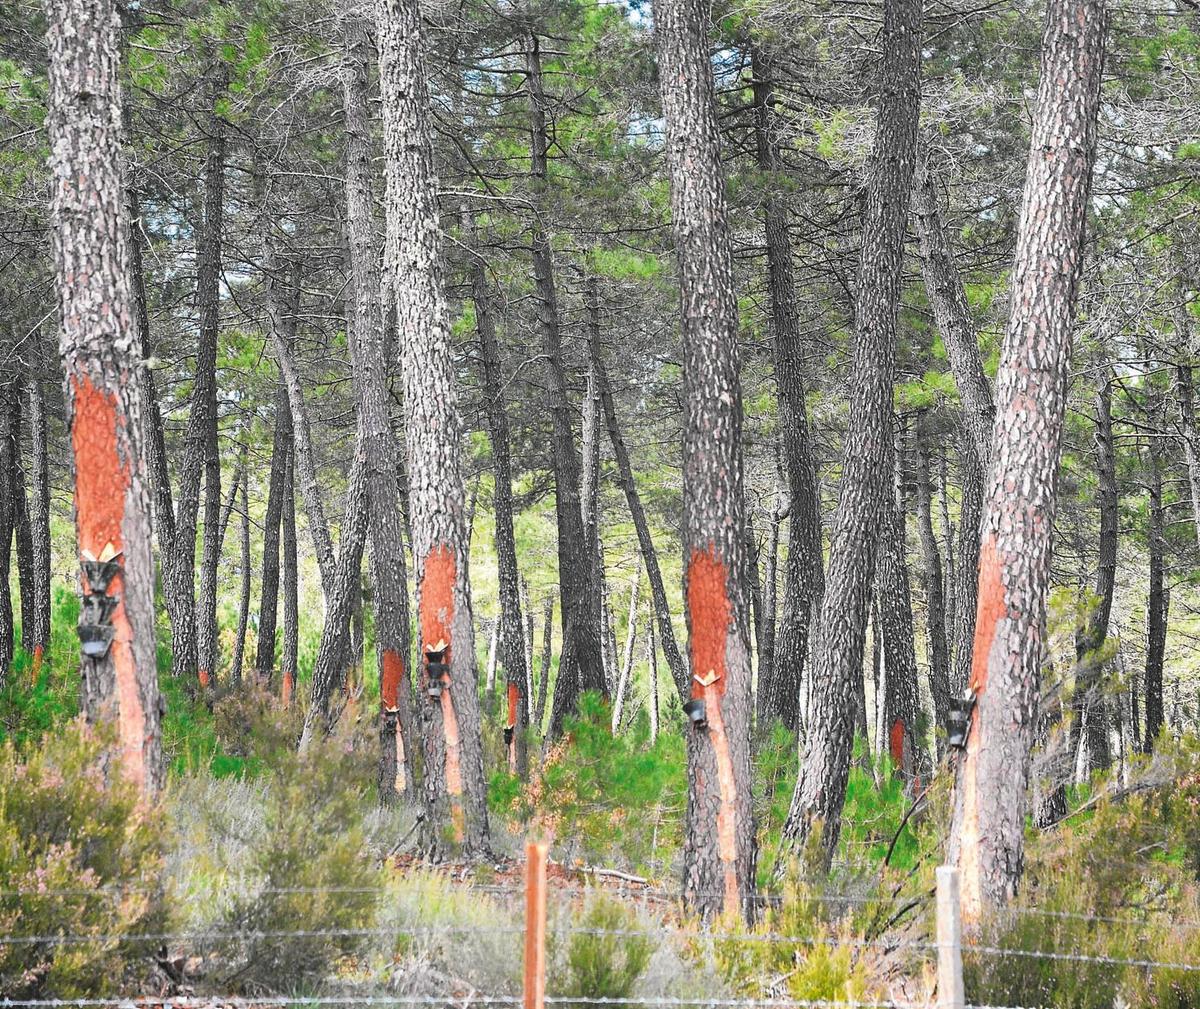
535 924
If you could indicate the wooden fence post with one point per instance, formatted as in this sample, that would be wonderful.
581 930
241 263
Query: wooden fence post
535 924
949 940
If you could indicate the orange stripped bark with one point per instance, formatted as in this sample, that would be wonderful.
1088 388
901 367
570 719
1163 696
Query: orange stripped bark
102 480
711 613
289 684
36 666
991 609
896 744
437 619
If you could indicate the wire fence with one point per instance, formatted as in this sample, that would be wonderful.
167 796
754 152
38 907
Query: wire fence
911 945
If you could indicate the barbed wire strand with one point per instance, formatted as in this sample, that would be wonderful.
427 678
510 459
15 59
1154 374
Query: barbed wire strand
242 1002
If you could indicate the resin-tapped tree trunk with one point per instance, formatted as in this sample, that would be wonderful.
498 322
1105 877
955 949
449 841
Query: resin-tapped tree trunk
719 841
99 348
804 572
991 790
455 788
867 452
512 637
389 572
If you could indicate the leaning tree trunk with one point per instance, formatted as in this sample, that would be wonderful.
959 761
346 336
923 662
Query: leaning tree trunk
581 665
658 593
455 788
804 572
98 345
1091 706
719 847
389 572
512 638
866 474
991 793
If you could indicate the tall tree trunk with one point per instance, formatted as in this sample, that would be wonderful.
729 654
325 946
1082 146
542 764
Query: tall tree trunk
455 788
22 526
290 645
902 700
515 653
389 573
866 483
1159 604
200 440
935 606
1189 436
658 593
991 794
581 665
804 573
719 843
544 675
97 345
966 589
7 451
652 673
268 609
239 644
627 658
1091 704
39 521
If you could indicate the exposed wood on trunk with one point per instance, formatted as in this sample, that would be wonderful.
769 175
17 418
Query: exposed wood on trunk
719 852
991 794
98 344
454 784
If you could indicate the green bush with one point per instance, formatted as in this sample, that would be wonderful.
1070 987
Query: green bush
600 964
287 854
92 851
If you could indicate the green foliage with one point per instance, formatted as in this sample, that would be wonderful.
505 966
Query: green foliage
29 710
91 851
612 798
600 964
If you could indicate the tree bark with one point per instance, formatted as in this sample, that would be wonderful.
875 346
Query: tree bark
804 572
966 589
581 665
290 646
239 644
39 516
455 788
935 606
719 844
1091 704
544 684
1159 605
389 574
200 439
991 794
1189 437
866 475
652 673
7 450
627 658
515 654
658 593
22 526
268 610
98 346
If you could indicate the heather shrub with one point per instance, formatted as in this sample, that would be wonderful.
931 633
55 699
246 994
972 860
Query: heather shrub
604 956
90 850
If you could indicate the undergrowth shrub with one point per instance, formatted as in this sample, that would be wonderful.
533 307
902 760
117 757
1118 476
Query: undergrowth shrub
92 851
282 853
613 799
599 963
820 963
